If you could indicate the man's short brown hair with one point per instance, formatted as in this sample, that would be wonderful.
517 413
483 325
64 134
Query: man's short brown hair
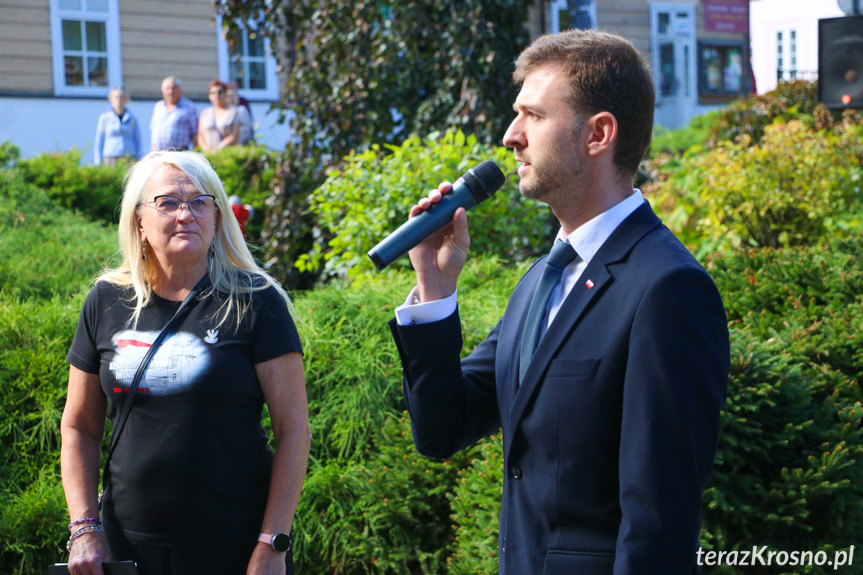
606 74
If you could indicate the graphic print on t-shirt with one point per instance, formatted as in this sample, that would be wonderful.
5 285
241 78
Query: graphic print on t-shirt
178 361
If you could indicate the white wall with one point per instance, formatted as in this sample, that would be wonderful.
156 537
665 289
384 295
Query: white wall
38 125
767 17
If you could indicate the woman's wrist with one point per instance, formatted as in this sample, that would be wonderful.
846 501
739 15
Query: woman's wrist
84 521
82 532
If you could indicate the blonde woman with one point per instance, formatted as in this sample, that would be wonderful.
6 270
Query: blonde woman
193 485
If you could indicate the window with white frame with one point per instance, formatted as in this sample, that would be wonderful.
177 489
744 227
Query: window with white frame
786 54
250 63
792 53
85 44
780 61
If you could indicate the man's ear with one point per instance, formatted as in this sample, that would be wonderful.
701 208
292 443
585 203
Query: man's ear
602 133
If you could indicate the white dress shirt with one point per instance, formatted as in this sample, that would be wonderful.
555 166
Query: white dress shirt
586 240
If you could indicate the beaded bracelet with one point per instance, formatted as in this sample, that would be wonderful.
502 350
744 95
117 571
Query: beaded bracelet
84 520
82 531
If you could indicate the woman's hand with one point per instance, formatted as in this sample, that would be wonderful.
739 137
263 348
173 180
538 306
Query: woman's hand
266 561
81 427
88 553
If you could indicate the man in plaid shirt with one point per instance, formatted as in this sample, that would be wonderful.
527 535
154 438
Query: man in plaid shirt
175 119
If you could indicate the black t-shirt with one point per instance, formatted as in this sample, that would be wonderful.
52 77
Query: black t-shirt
193 459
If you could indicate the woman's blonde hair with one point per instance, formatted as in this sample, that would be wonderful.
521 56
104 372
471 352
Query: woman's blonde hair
233 272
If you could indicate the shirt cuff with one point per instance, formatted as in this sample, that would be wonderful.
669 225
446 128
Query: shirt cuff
411 313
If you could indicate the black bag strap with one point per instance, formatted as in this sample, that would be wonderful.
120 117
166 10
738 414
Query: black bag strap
127 406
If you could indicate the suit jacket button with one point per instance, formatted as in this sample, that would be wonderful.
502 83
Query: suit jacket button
515 471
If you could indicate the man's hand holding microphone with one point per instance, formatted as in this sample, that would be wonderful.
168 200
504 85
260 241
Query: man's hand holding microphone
436 234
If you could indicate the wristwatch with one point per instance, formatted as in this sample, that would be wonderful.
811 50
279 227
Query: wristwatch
280 542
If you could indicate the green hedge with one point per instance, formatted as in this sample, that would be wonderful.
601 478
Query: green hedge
248 172
95 191
789 473
794 187
91 190
789 465
44 249
34 338
371 503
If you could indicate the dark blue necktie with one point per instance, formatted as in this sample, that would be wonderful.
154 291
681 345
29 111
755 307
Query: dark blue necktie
561 256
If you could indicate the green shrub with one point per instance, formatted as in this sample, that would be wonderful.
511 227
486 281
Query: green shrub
763 286
371 503
789 464
33 520
388 514
352 373
677 141
794 187
750 116
9 153
248 172
44 249
371 194
94 191
788 468
789 472
475 506
811 298
34 338
352 368
47 257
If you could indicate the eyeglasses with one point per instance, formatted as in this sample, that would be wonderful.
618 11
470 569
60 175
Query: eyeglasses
219 91
201 206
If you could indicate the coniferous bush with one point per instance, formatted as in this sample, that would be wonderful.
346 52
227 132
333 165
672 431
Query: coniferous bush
34 337
371 503
95 191
45 250
475 503
789 467
48 255
248 172
91 190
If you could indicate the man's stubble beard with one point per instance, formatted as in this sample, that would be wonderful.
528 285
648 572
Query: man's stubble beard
543 185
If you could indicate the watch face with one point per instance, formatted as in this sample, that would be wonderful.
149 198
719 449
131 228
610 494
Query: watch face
281 542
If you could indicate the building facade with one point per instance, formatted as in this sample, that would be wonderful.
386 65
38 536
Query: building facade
698 49
785 39
60 58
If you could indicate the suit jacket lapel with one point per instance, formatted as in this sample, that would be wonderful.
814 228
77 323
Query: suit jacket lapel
590 286
510 336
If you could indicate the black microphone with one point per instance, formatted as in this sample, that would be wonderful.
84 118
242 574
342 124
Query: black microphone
478 184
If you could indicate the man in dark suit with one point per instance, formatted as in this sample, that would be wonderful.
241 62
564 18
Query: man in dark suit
610 420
